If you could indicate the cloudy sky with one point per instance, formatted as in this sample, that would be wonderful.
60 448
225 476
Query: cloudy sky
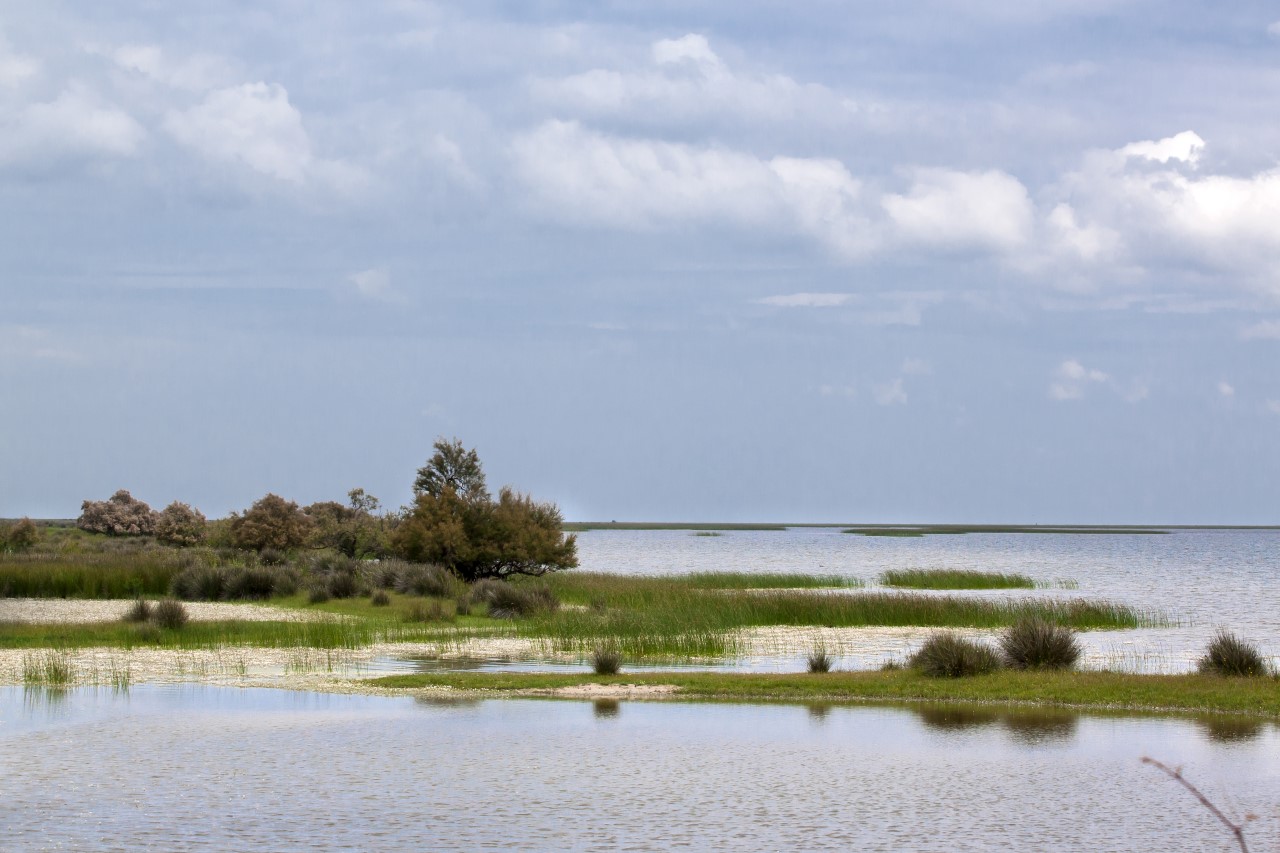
930 261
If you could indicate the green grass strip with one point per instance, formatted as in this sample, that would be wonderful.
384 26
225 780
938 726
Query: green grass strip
954 579
1091 690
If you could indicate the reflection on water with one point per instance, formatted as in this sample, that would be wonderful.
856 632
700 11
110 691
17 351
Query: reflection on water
1232 729
1031 726
189 767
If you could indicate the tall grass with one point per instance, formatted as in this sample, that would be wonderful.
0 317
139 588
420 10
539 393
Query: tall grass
954 579
85 576
346 634
672 617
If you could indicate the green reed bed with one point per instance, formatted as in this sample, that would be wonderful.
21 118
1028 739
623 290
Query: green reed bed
672 617
86 575
954 579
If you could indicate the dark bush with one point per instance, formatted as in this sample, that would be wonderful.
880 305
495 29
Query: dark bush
139 611
272 557
507 601
606 660
199 583
250 583
169 614
344 584
1227 654
380 598
820 661
946 654
318 594
425 579
1037 644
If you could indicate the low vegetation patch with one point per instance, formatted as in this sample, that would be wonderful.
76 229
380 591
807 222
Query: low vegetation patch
1227 654
948 655
606 660
820 661
1037 644
954 579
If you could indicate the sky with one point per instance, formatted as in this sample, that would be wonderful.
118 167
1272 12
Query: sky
752 261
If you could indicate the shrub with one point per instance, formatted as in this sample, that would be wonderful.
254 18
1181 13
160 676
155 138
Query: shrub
946 654
119 515
606 660
1227 654
462 606
455 522
380 599
820 661
1038 644
272 522
272 557
254 583
420 579
344 584
199 583
181 525
507 601
318 594
139 611
21 536
169 614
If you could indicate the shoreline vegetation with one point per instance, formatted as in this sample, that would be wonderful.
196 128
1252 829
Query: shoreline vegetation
1075 690
360 579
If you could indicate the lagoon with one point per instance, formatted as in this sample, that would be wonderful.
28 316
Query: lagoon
195 767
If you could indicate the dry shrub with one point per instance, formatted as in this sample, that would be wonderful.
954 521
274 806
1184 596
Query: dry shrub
119 515
606 660
181 525
507 601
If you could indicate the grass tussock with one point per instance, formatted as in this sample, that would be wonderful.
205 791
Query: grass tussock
948 655
50 669
1229 655
1038 644
820 661
139 611
606 660
170 614
954 579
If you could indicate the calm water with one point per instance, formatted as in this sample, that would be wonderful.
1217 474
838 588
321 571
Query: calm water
202 768
1202 579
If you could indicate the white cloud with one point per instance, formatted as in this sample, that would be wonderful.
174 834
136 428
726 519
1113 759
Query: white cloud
77 124
1072 378
255 126
684 79
372 283
1184 147
645 184
916 367
1273 406
15 69
1262 330
1226 389
985 210
806 300
196 72
890 393
20 343
1274 29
